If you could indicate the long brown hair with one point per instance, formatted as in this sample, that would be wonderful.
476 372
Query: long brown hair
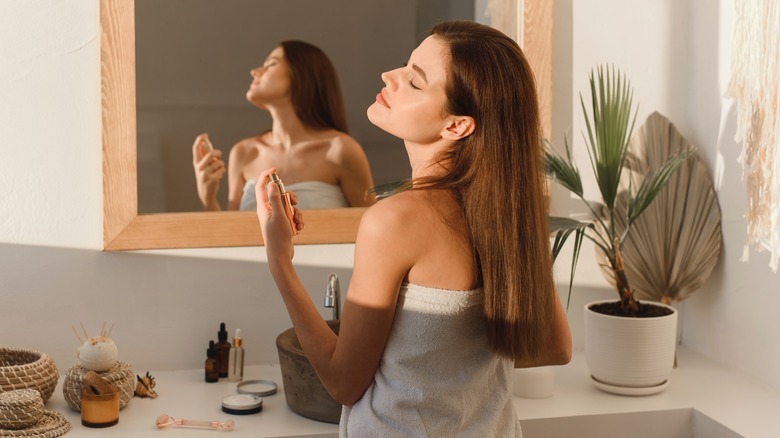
316 92
498 176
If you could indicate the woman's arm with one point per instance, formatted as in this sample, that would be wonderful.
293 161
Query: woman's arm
236 164
558 348
346 363
354 172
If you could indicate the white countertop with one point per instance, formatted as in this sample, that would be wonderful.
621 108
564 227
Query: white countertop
185 394
735 400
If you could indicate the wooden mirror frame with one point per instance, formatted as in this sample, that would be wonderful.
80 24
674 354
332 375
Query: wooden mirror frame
125 229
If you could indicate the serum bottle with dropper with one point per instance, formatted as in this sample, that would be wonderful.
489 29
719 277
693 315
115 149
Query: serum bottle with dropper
223 350
211 368
236 361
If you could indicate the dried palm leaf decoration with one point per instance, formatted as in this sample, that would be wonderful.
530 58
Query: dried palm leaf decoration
673 247
755 84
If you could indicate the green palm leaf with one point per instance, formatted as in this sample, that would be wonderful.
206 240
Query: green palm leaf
563 228
608 129
563 170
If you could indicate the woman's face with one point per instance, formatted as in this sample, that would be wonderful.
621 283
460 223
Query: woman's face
270 81
411 105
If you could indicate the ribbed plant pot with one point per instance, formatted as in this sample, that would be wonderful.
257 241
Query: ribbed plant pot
630 356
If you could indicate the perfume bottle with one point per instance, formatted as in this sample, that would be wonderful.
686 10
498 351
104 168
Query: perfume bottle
205 147
288 208
236 361
212 372
223 350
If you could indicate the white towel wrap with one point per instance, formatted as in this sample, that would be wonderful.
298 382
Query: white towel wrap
310 195
438 376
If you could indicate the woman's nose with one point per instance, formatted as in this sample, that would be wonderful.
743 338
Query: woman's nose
255 71
387 78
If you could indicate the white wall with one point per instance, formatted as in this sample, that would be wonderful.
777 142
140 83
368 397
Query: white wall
677 56
50 180
166 307
734 321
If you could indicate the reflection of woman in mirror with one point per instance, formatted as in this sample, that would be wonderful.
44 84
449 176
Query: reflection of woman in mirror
307 143
452 283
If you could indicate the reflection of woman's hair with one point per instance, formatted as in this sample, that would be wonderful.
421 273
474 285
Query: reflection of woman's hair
497 174
316 93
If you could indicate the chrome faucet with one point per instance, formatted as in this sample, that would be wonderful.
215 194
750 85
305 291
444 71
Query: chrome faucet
333 295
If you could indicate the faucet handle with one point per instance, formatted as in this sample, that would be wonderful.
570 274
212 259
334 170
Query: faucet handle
332 290
333 281
333 295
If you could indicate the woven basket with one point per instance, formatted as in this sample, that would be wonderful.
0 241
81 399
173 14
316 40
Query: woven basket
27 369
52 424
20 408
121 376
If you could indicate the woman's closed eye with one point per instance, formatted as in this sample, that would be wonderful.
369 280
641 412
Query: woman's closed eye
411 79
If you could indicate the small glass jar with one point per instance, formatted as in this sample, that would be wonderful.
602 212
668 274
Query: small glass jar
99 410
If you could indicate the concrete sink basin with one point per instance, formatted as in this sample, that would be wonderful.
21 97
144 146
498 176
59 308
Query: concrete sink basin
302 388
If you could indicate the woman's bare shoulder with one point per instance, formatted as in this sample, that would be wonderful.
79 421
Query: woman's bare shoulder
248 148
408 212
388 232
392 212
248 144
341 144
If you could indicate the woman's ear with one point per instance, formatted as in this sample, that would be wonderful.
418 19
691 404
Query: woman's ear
458 127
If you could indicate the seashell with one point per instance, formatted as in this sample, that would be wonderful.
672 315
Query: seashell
145 386
99 353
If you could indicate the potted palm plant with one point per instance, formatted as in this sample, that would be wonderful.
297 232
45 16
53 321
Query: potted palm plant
629 343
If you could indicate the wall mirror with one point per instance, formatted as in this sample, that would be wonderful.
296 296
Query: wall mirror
127 110
192 74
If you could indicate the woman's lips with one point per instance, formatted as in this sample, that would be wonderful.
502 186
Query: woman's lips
380 98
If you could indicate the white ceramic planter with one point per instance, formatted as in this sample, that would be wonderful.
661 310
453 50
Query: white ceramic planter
632 356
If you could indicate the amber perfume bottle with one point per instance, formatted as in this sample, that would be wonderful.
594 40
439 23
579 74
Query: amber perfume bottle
286 201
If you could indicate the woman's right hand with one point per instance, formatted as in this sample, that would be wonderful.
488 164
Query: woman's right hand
274 223
209 169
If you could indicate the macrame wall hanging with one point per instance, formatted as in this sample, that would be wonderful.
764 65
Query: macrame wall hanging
755 84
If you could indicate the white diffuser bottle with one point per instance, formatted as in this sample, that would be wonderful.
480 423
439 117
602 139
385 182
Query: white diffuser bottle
236 359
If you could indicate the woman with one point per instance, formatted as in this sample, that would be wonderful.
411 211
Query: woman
452 282
308 140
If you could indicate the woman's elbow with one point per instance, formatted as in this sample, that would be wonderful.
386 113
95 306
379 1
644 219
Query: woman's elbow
347 384
346 391
562 355
562 350
346 396
558 353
